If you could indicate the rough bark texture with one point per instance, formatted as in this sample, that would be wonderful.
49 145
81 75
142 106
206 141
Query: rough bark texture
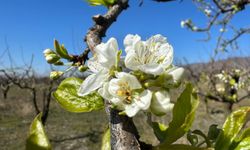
124 135
103 22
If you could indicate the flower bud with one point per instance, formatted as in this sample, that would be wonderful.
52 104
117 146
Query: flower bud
52 58
54 75
59 63
222 30
48 51
220 88
160 103
82 68
208 12
150 83
183 24
194 28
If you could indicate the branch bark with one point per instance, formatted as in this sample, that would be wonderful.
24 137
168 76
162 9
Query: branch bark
102 23
124 135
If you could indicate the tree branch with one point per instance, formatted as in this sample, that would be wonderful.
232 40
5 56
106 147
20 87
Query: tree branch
124 135
102 23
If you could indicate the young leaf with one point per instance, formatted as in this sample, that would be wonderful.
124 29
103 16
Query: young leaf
192 138
206 139
213 132
244 144
245 134
231 128
106 140
159 130
183 116
37 139
61 50
66 95
101 2
181 147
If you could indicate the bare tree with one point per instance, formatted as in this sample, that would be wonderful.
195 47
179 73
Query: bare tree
220 14
5 85
24 77
210 87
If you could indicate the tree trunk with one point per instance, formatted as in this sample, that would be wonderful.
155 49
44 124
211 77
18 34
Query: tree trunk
5 95
124 135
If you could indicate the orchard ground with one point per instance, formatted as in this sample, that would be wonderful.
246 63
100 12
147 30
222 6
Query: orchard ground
83 131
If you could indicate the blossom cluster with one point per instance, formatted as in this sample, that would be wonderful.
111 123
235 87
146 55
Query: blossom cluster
233 78
140 80
230 83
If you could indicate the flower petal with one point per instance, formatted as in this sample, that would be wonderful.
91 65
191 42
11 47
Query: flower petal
130 79
144 100
118 103
155 69
167 53
94 65
92 82
130 41
131 110
158 38
131 61
152 56
106 53
160 104
114 86
103 91
176 73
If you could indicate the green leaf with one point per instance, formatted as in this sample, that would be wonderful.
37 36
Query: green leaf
66 95
244 144
231 128
37 139
245 134
159 130
61 50
101 2
200 133
180 147
213 132
106 145
238 139
183 116
192 138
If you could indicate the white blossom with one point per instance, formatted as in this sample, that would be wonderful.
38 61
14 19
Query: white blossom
117 81
194 28
223 30
126 92
176 73
160 104
220 87
100 64
208 12
152 56
183 23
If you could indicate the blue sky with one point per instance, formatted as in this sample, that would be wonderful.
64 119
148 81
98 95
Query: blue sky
29 26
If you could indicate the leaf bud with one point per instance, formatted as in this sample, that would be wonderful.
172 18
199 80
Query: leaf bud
82 68
52 58
48 51
54 75
59 63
